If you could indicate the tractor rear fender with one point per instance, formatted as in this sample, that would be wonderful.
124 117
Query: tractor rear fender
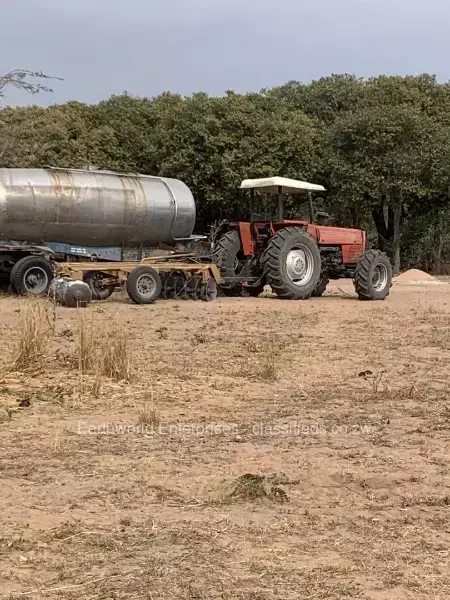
247 241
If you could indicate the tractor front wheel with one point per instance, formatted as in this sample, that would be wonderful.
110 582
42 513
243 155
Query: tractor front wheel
292 263
373 276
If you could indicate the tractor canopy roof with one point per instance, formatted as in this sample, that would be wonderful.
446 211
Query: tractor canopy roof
272 184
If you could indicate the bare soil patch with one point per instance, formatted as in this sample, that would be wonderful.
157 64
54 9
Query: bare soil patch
249 449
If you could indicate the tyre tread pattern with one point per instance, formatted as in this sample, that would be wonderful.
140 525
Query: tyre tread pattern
227 249
131 285
361 278
18 271
271 262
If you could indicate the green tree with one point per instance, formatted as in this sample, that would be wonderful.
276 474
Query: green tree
386 154
214 143
383 153
70 135
380 147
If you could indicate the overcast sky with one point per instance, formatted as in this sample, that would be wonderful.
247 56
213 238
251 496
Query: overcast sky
104 47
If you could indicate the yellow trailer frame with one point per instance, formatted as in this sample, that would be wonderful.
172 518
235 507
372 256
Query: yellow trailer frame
121 270
199 279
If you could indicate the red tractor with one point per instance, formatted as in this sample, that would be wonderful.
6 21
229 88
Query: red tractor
296 257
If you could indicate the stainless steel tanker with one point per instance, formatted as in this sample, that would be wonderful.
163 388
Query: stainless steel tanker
51 214
95 208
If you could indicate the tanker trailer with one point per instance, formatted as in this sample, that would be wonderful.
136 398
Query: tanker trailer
83 208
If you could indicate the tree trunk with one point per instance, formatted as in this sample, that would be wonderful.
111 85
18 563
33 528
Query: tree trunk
355 211
384 242
387 223
439 236
397 215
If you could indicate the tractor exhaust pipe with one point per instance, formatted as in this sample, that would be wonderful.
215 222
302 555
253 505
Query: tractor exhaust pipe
311 207
280 204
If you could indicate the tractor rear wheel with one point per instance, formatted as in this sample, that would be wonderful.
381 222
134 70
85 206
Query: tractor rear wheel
373 276
292 263
227 250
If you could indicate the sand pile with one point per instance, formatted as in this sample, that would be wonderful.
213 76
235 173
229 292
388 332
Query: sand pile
414 275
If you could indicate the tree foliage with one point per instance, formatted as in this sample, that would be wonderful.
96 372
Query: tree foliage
380 146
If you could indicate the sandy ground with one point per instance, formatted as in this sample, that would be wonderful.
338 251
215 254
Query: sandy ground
263 449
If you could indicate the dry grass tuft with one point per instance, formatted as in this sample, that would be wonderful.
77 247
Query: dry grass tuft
116 353
268 361
251 487
97 383
86 348
248 487
261 359
148 415
102 349
33 335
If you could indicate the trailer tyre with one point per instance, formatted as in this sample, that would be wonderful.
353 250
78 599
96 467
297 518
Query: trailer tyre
373 276
31 275
208 290
144 285
94 281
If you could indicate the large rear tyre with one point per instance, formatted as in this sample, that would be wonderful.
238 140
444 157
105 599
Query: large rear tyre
373 276
292 263
227 250
94 281
31 275
144 285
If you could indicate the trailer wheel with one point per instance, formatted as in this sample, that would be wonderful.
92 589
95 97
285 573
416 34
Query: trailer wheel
292 263
208 290
144 285
94 281
31 275
373 276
